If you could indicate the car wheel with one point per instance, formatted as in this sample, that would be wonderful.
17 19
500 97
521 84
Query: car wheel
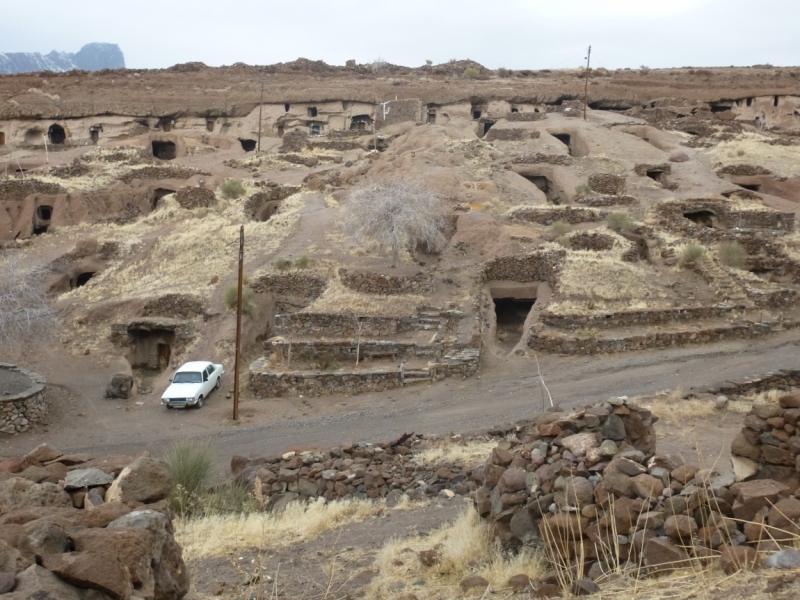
199 402
216 385
168 406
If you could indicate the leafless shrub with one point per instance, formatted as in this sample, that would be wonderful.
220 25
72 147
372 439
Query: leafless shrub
397 213
24 311
379 64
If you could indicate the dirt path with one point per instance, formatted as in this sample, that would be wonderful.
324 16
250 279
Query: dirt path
508 390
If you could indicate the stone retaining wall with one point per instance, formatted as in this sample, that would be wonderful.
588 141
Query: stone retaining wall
336 326
525 116
780 380
310 350
607 183
599 201
18 412
299 285
456 362
642 169
538 157
508 135
537 266
564 344
388 285
548 215
174 305
671 217
597 242
629 318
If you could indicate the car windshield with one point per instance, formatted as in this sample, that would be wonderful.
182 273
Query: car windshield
187 377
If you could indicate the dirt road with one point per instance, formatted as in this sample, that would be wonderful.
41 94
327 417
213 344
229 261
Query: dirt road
507 390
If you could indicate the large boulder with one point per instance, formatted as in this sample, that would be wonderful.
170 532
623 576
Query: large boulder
80 478
101 571
38 582
145 480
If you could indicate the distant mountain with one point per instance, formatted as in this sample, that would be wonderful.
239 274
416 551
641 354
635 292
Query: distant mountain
92 57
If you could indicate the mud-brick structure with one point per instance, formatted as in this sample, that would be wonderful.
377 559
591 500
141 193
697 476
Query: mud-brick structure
22 402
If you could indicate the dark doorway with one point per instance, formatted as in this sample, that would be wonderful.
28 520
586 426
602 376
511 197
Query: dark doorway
775 100
315 129
659 177
701 217
281 130
487 125
2 138
286 107
56 134
753 187
431 117
82 279
361 123
476 114
209 125
514 109
158 194
151 348
565 139
511 314
546 186
749 102
44 212
40 229
166 125
248 145
312 111
164 150
94 134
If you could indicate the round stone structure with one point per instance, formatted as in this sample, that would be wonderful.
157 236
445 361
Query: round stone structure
22 402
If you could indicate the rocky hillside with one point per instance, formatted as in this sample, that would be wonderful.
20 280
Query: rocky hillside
92 57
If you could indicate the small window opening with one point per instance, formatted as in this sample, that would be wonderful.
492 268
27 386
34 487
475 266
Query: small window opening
44 212
2 138
775 100
286 107
312 111
94 134
486 126
514 109
753 187
361 123
164 150
315 130
546 187
536 110
657 176
158 194
165 125
718 109
565 139
476 114
749 102
701 217
56 134
82 279
248 145
210 125
432 117
281 130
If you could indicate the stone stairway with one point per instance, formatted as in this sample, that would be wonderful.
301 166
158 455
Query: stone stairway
721 282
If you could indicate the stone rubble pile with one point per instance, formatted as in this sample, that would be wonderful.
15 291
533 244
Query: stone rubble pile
72 526
591 485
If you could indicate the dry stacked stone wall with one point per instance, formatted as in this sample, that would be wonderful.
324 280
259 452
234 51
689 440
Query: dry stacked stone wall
537 266
294 141
607 183
596 242
83 527
671 217
744 170
22 402
509 135
564 160
336 326
642 169
195 197
594 200
176 306
633 318
548 216
379 283
526 116
273 193
299 285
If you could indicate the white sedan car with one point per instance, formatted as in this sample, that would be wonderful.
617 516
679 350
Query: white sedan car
192 384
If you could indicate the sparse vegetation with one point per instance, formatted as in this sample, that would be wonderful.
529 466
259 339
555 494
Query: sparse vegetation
560 228
282 264
232 189
378 64
620 221
248 298
583 188
399 213
471 73
732 254
690 254
24 310
190 462
428 62
503 72
303 262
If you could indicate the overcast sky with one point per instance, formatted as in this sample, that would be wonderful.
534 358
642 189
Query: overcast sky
515 34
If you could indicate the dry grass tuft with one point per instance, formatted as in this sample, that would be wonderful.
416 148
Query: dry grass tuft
673 408
743 404
470 454
340 300
218 535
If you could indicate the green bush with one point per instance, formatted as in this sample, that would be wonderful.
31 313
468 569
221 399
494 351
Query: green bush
248 298
691 253
583 188
732 254
303 262
232 189
560 228
471 73
226 499
282 264
428 62
503 72
190 463
564 241
620 221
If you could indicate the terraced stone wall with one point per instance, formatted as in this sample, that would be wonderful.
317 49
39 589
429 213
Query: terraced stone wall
19 411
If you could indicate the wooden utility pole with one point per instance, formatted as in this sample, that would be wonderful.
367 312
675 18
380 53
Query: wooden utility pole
586 87
238 327
260 104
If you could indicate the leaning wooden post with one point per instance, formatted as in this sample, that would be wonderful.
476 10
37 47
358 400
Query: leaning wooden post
238 327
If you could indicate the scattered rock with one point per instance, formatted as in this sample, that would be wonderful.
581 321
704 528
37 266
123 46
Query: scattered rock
473 581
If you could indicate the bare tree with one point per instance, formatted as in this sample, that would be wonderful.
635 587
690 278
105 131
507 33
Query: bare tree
24 311
400 212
